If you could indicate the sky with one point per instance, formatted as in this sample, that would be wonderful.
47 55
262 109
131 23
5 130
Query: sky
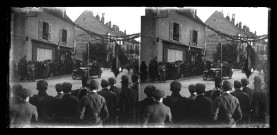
129 18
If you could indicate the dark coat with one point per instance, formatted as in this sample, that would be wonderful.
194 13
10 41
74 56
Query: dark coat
111 102
259 106
226 110
243 101
179 106
143 104
213 94
156 114
44 104
192 97
22 112
128 106
249 92
93 109
59 96
135 86
117 91
67 108
202 107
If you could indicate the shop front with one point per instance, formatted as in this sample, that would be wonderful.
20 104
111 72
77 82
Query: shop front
174 52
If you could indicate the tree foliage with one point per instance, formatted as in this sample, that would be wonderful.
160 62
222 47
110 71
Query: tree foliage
97 52
229 53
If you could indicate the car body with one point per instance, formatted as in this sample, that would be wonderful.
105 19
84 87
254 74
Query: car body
94 70
210 73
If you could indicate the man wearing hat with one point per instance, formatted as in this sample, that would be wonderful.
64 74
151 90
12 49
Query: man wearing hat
22 112
158 113
135 81
192 92
113 88
16 88
128 103
259 105
93 108
43 102
178 104
244 103
149 100
111 102
246 89
161 71
201 107
226 109
68 105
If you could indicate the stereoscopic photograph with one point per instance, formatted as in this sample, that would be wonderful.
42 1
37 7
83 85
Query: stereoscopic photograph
139 67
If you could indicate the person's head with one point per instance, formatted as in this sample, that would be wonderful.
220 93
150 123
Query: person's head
257 82
104 83
159 94
24 93
92 84
135 78
42 85
191 88
244 82
124 80
149 90
112 81
16 88
175 86
66 87
199 88
227 86
58 87
237 84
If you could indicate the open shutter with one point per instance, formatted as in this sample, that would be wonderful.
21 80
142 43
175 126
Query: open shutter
196 38
190 40
49 32
65 37
60 35
40 29
180 33
170 30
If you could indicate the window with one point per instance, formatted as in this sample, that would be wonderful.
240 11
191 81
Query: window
63 36
174 31
44 30
44 54
194 37
174 55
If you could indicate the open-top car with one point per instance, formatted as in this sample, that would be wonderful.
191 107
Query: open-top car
94 70
215 68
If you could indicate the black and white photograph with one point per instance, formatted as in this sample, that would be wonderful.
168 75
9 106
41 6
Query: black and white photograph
139 67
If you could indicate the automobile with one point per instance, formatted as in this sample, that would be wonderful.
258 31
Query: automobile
94 70
215 68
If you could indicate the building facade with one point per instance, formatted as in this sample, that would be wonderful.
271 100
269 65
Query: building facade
41 34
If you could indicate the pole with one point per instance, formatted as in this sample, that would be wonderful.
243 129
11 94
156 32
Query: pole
221 62
88 55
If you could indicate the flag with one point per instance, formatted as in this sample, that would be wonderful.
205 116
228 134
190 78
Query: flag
120 58
252 61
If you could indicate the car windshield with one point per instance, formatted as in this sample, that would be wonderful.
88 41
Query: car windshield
216 65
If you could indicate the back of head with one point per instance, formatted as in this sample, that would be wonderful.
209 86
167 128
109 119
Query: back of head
58 87
191 88
16 88
227 86
199 88
112 81
257 81
42 85
175 86
104 83
92 84
66 87
237 84
24 93
125 80
244 82
135 78
149 90
158 94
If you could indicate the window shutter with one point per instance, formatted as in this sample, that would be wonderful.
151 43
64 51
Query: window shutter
180 33
170 30
40 29
49 32
196 38
60 35
65 37
190 40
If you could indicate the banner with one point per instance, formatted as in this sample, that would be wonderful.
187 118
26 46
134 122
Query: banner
121 59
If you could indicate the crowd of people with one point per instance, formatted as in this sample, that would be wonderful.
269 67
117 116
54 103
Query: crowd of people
220 107
87 106
31 70
171 70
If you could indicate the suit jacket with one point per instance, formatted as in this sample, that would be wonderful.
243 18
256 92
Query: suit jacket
156 114
243 100
22 112
202 107
213 94
192 97
249 92
59 96
135 86
44 104
111 100
67 108
93 109
117 91
128 106
259 106
143 104
226 109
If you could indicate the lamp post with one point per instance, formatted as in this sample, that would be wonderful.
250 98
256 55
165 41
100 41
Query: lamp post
221 62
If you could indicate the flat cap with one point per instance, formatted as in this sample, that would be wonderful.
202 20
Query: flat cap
16 88
176 84
124 79
92 84
112 80
159 93
104 83
199 88
42 85
24 93
237 84
244 82
150 89
135 76
227 86
66 87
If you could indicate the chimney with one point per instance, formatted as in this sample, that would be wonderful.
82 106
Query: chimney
103 18
255 33
110 24
244 28
228 18
239 25
125 31
97 16
114 28
233 19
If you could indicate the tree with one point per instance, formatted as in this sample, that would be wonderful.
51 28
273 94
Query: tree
229 53
97 51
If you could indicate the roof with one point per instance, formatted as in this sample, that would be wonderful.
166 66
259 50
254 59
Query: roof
187 13
57 12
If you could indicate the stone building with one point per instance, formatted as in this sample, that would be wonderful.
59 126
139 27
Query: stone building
171 35
41 34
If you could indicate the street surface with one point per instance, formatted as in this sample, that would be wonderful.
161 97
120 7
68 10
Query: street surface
76 84
237 75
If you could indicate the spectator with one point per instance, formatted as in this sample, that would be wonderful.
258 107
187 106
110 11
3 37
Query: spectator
60 94
143 71
246 89
158 113
31 71
149 100
226 109
113 88
192 92
135 82
93 109
161 71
